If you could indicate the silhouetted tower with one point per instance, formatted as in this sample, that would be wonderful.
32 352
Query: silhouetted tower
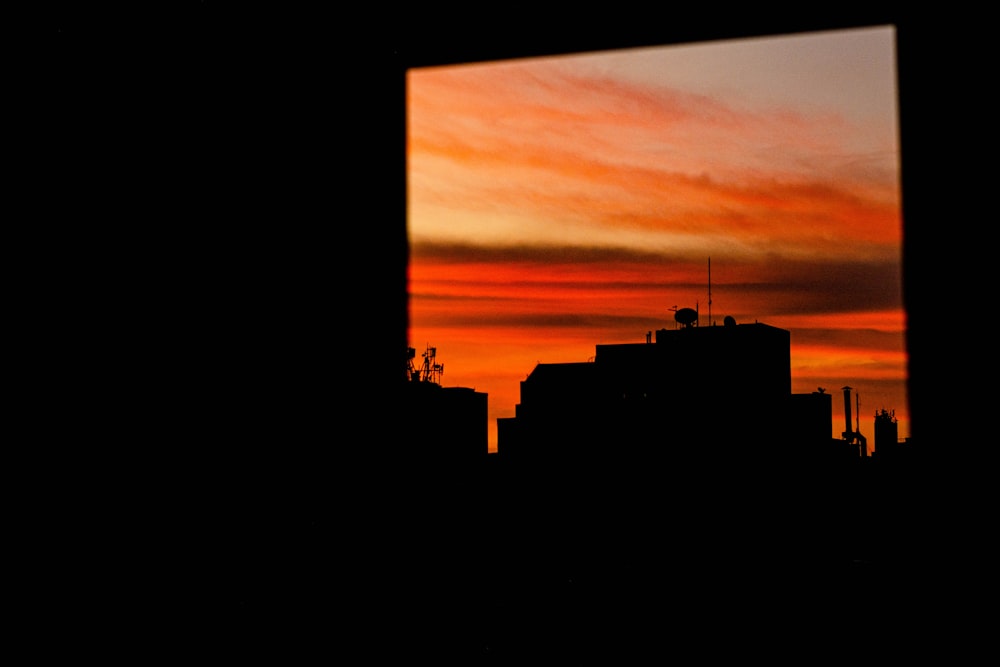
886 432
853 435
459 417
848 432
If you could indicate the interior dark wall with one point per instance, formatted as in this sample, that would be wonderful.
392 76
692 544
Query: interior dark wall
227 191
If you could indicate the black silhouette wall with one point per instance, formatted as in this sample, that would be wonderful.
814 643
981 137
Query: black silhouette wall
446 427
696 393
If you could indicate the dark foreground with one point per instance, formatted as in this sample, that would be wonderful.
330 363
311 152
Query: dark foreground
507 566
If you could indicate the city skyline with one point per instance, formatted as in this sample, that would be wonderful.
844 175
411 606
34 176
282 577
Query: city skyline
562 202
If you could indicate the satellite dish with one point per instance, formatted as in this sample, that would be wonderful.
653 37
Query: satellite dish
686 316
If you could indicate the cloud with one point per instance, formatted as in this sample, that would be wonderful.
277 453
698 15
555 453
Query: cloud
621 293
445 252
849 339
590 321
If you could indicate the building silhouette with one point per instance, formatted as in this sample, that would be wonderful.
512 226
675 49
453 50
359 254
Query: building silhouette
447 426
718 395
886 433
692 442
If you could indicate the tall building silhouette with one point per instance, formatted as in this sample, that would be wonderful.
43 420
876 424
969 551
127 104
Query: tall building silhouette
718 394
447 427
886 433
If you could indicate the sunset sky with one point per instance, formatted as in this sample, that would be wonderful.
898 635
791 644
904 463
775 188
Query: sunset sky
557 203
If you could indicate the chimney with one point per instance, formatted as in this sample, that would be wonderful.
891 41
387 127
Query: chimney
848 431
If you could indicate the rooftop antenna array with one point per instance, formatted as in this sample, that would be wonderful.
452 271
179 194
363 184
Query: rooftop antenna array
429 371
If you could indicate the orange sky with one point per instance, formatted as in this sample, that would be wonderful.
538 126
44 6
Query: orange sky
559 203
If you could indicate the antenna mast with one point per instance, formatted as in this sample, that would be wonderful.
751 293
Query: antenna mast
709 291
430 370
862 442
857 411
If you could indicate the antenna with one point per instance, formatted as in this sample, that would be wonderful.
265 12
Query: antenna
709 291
857 411
862 442
431 371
